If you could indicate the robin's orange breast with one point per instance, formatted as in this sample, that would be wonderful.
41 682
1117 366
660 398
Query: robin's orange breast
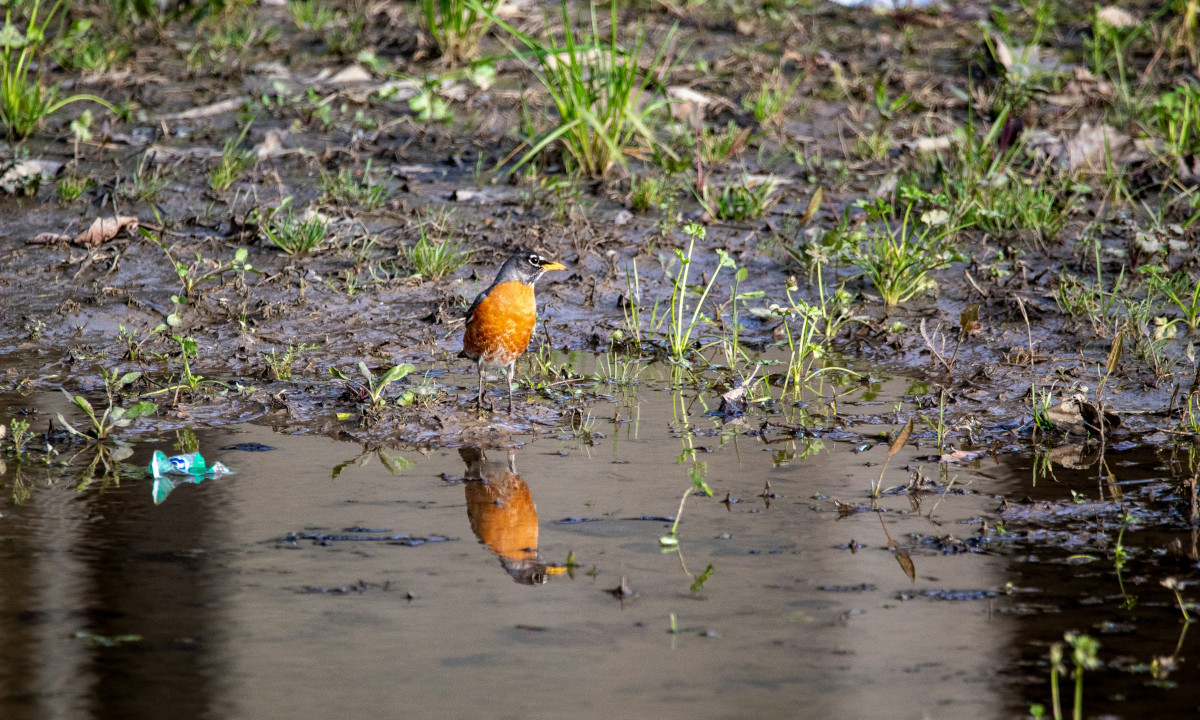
499 329
503 516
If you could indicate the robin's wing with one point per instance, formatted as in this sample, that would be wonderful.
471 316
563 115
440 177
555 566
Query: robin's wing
471 311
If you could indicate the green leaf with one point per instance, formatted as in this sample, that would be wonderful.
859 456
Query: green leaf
366 372
140 409
483 75
84 405
337 469
68 426
11 38
128 378
702 578
81 127
338 374
173 320
240 255
394 464
396 373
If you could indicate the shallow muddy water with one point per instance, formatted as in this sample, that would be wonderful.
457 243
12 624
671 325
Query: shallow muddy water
444 590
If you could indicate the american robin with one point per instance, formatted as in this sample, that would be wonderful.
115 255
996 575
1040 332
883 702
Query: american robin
501 319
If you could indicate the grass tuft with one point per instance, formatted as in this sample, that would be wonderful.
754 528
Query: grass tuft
607 105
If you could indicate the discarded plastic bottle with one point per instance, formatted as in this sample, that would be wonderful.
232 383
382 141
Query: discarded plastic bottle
192 466
189 464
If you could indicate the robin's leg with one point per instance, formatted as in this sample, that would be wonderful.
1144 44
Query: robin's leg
512 369
479 399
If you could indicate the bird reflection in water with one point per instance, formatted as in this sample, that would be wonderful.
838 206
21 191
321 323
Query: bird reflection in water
504 517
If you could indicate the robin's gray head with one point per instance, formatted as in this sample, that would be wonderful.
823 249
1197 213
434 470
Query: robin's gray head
526 266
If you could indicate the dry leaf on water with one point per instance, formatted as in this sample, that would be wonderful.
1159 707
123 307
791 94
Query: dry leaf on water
104 229
902 438
906 563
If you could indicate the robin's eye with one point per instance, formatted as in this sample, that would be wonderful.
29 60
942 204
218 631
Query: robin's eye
535 261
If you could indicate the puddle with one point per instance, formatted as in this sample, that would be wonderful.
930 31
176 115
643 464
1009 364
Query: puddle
529 577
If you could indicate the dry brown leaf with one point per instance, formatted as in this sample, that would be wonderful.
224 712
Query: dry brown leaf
688 104
271 145
104 229
350 75
218 108
906 562
968 319
901 438
1093 147
814 206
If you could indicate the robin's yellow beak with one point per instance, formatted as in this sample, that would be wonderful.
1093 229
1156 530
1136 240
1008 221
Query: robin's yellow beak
553 266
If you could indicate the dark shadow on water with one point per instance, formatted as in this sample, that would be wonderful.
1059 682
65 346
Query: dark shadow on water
1093 537
107 606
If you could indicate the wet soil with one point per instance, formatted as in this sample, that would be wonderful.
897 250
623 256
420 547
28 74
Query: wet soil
428 557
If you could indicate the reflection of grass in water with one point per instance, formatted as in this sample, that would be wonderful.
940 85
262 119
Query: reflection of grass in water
1085 656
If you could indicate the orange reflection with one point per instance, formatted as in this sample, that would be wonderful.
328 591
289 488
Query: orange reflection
504 517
